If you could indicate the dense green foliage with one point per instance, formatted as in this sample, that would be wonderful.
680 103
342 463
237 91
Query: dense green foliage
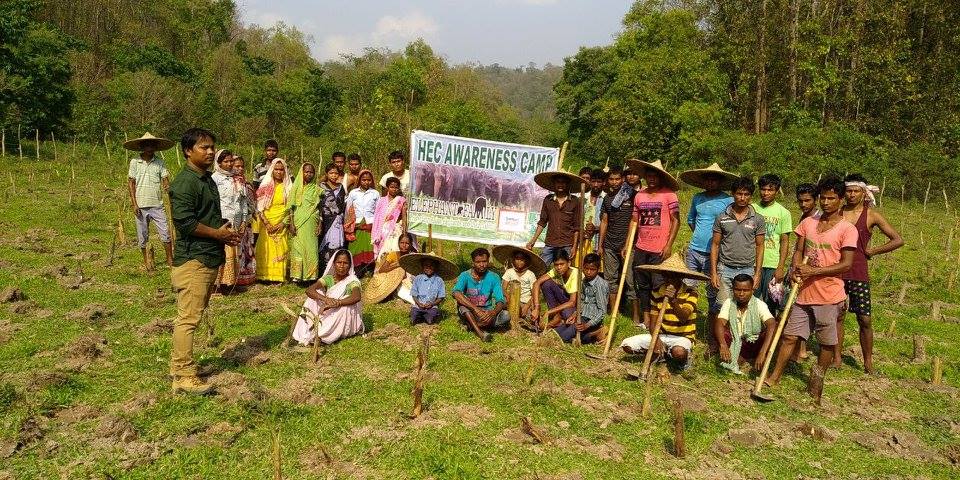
777 85
791 86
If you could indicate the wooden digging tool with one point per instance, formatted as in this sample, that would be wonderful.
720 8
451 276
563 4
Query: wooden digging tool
615 308
577 341
654 336
755 393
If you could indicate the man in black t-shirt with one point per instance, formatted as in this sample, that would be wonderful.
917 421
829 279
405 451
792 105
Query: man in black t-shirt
615 215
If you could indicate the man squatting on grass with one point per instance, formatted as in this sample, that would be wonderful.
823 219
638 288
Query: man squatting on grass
201 235
744 327
479 296
859 211
828 243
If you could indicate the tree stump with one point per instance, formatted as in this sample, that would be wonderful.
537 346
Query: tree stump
935 310
513 304
919 348
679 443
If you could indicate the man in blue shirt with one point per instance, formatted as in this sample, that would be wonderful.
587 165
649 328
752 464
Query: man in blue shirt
704 209
479 295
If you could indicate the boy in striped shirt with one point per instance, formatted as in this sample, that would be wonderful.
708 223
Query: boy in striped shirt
679 323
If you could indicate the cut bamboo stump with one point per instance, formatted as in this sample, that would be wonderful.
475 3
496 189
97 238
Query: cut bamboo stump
277 472
527 427
679 443
513 304
919 348
420 376
935 310
891 327
903 293
936 376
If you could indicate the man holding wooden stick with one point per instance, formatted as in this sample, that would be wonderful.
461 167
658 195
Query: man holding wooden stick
201 235
828 243
860 212
615 214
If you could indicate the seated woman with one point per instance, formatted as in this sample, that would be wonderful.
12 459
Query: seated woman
559 288
391 261
333 304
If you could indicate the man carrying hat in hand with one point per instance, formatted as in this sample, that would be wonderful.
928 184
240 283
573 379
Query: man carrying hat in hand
148 180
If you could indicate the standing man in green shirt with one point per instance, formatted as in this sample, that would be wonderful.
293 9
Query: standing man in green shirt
776 243
201 235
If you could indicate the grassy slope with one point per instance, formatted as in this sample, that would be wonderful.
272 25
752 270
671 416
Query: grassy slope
353 402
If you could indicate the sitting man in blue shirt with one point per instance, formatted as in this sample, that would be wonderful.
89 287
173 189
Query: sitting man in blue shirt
479 295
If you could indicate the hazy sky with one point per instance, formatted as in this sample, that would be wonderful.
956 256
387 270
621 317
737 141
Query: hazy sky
508 32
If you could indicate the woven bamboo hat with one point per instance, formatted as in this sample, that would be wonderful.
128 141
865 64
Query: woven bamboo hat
137 144
504 255
381 285
545 179
642 167
698 176
675 267
412 263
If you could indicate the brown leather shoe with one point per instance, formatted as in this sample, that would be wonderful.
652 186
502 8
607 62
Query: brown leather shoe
192 385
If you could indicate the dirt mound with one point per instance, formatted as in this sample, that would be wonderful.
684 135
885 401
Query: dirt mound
439 416
761 433
140 402
387 432
607 412
394 335
7 330
234 387
160 298
159 326
707 468
873 400
897 444
77 413
605 448
465 347
220 434
299 390
55 271
817 432
49 378
33 240
95 313
23 307
321 462
116 429
245 350
12 295
85 349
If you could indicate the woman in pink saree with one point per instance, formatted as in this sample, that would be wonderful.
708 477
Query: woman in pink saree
332 310
388 220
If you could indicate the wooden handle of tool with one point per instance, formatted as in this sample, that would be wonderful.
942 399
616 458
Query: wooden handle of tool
776 336
615 309
654 336
582 253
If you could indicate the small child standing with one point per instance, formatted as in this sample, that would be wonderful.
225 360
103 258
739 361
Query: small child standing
428 289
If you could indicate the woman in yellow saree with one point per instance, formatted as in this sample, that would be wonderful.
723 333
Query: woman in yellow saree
272 248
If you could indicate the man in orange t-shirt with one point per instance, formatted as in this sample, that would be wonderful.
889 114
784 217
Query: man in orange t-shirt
828 243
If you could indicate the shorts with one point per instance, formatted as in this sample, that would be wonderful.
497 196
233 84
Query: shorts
159 219
700 262
821 319
641 342
858 297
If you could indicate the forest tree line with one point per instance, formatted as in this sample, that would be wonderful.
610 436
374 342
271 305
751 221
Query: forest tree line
790 86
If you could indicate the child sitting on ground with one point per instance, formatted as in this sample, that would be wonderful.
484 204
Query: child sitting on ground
524 269
428 293
744 327
593 294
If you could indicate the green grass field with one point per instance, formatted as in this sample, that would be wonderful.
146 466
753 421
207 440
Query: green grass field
84 391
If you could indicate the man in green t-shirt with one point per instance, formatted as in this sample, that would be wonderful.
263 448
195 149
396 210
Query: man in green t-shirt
198 254
776 244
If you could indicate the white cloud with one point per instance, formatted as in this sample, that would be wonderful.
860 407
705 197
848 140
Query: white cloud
408 27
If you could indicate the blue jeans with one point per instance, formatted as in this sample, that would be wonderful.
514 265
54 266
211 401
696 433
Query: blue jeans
548 253
700 262
726 275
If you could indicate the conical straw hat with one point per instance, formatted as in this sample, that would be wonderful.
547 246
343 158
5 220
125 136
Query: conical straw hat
158 143
698 176
412 263
504 255
381 285
642 167
545 180
674 266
